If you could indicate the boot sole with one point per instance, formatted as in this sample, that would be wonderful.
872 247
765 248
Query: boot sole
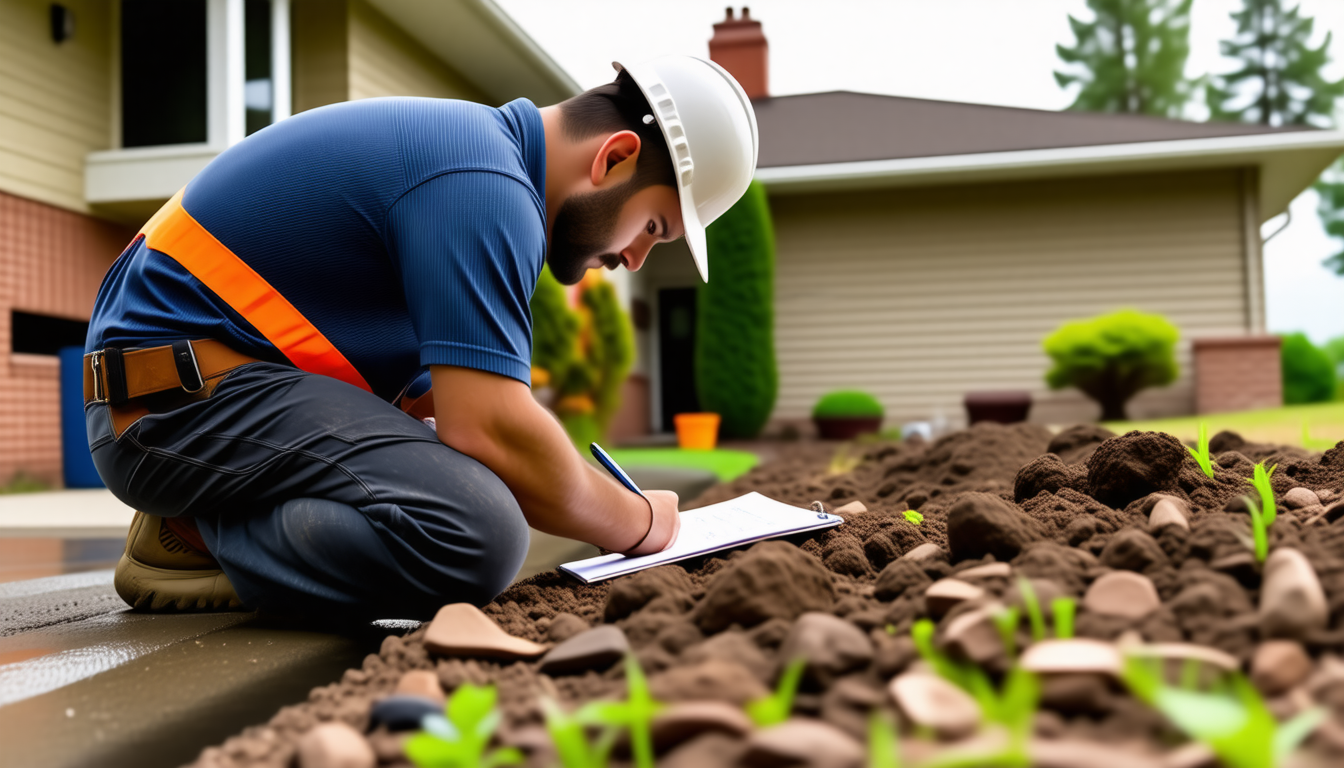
147 588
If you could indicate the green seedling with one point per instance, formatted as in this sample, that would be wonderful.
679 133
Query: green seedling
884 741
913 516
459 738
1260 481
635 714
569 734
1014 706
1201 454
1259 530
776 708
1064 609
1033 605
1231 719
1006 622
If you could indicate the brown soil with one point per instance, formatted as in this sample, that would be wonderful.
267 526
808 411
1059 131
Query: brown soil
1061 509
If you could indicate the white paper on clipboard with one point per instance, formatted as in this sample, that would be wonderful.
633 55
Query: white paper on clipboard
731 523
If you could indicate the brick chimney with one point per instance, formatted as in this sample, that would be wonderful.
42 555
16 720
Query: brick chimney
739 46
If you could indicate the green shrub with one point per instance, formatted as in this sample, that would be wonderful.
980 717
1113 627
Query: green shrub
555 329
735 374
1113 357
847 404
1308 372
611 348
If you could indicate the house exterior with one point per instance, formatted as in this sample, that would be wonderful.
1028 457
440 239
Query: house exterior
925 248
108 107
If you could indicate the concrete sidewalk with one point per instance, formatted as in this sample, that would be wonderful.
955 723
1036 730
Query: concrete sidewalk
77 514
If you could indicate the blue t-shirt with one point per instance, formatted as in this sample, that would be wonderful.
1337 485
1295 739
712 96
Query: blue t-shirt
410 232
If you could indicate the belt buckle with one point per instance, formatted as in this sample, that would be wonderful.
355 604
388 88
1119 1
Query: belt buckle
183 353
96 363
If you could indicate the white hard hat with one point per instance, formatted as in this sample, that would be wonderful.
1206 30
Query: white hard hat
710 129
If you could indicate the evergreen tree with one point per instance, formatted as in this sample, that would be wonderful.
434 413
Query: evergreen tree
1131 58
1280 81
1331 209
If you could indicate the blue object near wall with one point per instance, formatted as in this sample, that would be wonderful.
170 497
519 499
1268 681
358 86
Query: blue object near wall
76 461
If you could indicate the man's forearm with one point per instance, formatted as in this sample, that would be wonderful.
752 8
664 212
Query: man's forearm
522 443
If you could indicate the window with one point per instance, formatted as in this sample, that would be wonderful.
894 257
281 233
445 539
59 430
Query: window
163 72
258 86
34 334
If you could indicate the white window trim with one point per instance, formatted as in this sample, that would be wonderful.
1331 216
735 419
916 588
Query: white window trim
156 173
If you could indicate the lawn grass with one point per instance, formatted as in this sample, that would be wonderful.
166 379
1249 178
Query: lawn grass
727 464
1324 425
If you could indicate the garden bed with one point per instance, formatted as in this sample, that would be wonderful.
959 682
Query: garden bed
1158 558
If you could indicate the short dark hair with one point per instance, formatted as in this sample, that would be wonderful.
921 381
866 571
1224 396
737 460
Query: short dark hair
621 106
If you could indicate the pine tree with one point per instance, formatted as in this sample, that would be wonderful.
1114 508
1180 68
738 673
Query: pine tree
1331 209
1131 58
1280 80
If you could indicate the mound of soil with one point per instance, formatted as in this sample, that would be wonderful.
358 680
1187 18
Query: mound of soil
1153 550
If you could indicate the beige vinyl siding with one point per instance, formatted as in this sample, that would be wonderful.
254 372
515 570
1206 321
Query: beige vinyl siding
319 36
922 295
385 61
54 99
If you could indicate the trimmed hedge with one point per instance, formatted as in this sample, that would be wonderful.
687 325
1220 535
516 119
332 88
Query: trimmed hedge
1112 357
735 374
847 404
1308 371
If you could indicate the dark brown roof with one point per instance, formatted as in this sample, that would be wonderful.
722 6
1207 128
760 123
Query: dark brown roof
842 126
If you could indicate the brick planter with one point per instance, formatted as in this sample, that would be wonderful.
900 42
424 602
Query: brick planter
1237 373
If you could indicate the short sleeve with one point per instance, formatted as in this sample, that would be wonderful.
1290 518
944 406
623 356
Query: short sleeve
469 247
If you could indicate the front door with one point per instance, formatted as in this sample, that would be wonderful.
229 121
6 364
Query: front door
676 353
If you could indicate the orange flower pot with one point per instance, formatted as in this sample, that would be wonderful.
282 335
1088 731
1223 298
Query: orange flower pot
697 431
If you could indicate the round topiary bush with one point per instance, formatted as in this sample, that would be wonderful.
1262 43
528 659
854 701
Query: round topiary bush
1113 357
847 404
1308 371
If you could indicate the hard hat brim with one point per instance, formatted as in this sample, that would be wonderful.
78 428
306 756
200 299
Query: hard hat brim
695 233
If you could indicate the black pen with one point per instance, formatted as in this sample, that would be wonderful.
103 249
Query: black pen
615 469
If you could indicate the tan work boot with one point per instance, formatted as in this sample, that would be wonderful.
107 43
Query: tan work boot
162 571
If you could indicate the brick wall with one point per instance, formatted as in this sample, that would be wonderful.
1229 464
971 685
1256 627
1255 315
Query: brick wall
51 263
1234 374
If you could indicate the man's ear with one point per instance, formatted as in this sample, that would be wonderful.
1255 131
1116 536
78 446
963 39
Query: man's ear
609 165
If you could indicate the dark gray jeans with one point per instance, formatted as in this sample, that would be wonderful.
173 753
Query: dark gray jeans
318 497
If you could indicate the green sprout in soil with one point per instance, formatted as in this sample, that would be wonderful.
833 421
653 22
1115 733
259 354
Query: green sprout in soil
1033 605
1064 609
460 739
1231 718
1259 529
1006 622
884 742
1261 483
1201 454
1014 706
913 516
844 462
776 707
635 714
569 734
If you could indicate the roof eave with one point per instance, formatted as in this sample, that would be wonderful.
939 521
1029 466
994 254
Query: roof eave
1288 163
478 39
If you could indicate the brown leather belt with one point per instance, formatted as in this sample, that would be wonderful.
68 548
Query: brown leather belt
120 377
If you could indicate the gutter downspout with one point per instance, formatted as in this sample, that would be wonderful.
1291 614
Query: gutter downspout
1250 217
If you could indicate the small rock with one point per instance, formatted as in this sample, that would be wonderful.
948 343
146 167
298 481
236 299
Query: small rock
932 702
1166 512
685 720
980 523
773 579
734 646
1292 603
565 626
1182 652
926 551
831 646
461 629
708 750
595 649
1072 753
900 576
1132 550
1279 665
799 741
944 594
402 712
1300 497
973 635
1077 694
335 745
1125 594
986 571
1075 655
423 683
852 508
709 680
1326 495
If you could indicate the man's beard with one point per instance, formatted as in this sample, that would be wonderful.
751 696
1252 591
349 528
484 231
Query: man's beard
583 230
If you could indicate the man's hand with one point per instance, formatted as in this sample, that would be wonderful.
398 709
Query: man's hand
664 526
494 420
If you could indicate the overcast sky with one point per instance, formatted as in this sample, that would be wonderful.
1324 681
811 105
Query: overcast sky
982 51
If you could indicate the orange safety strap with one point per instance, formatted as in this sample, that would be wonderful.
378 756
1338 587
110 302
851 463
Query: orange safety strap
175 233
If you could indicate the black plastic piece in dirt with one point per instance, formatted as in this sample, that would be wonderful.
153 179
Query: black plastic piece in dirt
402 712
